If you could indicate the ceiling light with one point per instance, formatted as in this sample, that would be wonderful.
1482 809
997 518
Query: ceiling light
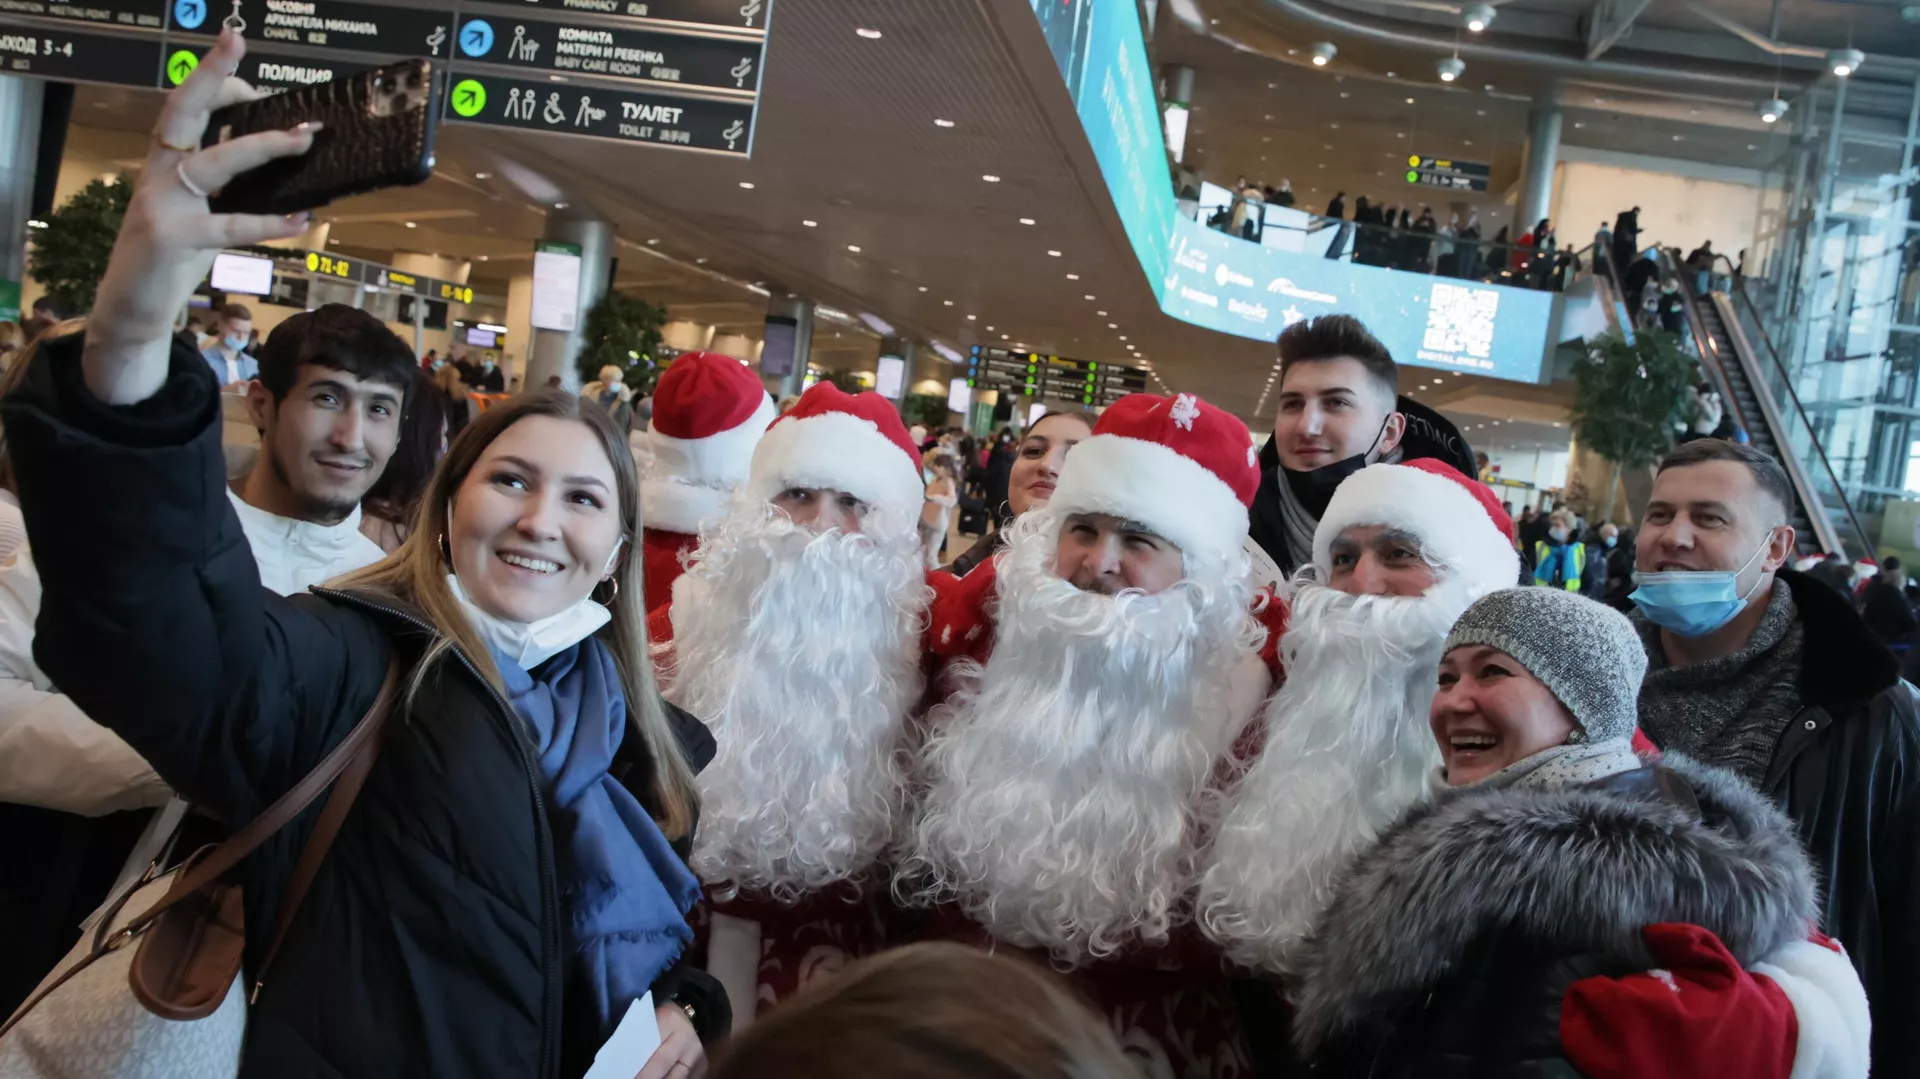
483 258
1343 93
1450 68
1113 325
1478 17
990 178
699 262
971 318
1409 101
559 205
870 35
1003 337
1334 126
1772 111
1752 146
1578 125
1054 254
989 329
1845 62
942 123
653 241
1678 138
1123 337
483 175
946 303
1026 221
1089 295
747 185
808 222
1323 53
855 248
1073 277
1102 314
411 225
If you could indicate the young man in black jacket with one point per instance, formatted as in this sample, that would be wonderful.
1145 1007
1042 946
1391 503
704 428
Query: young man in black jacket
1339 411
1779 680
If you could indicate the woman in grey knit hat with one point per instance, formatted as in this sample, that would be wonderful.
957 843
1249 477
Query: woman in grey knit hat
1562 905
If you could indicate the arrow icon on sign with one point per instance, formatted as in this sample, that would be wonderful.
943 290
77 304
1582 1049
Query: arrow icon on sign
180 65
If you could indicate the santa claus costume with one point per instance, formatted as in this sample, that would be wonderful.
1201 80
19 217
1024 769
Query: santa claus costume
1345 746
801 649
1062 780
709 412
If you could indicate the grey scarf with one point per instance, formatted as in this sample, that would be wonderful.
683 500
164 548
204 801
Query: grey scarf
1301 522
1729 711
1574 764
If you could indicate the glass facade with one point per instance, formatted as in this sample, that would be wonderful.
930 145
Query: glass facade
1834 281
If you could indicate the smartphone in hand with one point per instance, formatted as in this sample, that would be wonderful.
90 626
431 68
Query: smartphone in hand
378 132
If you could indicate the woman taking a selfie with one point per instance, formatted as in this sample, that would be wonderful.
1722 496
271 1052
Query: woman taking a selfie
511 878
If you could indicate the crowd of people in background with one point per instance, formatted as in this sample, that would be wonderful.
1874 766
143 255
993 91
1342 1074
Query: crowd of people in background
1217 754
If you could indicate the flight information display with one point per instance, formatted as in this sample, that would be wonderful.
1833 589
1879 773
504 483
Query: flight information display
1053 378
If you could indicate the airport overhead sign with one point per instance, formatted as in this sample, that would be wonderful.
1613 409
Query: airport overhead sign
1448 172
682 74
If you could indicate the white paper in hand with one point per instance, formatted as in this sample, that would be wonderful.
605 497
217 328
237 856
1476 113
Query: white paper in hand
632 1044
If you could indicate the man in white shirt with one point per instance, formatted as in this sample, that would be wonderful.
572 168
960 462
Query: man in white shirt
227 355
328 403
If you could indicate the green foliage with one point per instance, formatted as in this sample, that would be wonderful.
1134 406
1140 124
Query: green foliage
927 409
623 331
70 255
1628 399
847 381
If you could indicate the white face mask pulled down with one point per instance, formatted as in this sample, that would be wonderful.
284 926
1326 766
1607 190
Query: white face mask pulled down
533 643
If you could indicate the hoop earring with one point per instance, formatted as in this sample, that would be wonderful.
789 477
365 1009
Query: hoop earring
446 550
612 595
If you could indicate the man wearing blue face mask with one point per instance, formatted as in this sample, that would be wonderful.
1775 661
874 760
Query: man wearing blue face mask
232 367
1771 674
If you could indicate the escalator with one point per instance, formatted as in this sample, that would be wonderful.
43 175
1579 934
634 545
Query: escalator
1739 359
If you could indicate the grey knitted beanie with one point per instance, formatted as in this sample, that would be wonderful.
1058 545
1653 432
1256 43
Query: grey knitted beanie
1585 652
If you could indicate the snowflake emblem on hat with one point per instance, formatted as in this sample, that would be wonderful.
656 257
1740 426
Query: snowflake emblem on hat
1253 456
1185 410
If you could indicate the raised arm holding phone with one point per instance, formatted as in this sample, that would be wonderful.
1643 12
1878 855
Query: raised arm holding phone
512 876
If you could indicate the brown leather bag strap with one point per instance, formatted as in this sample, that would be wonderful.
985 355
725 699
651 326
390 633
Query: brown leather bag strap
229 854
339 801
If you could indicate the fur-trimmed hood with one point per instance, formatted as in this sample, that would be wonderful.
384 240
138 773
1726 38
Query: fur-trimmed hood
1575 871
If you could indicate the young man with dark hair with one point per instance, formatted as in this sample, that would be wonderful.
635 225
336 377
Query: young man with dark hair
1766 672
1339 411
227 356
328 400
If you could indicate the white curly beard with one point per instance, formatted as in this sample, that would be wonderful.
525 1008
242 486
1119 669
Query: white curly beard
802 652
1347 750
1061 779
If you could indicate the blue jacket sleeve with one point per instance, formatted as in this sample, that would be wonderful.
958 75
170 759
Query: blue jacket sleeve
153 619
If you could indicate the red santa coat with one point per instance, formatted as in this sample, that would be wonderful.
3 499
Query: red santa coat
661 553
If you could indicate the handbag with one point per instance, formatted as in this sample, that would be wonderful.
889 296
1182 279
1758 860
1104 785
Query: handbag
166 1007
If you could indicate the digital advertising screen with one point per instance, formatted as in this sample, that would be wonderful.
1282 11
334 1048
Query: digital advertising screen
244 274
889 377
1242 288
959 396
480 338
556 287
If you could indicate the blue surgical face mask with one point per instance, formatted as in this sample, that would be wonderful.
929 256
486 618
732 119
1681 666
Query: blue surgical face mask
1557 535
1609 540
234 342
1694 603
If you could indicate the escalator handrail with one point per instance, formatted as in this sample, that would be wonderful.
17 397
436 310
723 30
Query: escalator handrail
1714 364
1737 297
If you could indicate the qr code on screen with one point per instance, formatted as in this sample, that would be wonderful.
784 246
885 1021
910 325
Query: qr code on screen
1460 320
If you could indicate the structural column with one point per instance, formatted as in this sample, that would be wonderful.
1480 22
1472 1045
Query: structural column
19 155
1177 79
556 352
1543 149
786 344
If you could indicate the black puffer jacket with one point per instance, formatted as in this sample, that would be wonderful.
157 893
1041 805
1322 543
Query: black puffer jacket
1449 945
1847 770
431 942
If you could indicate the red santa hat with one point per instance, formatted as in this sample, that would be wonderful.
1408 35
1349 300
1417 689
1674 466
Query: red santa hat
1177 465
848 442
1458 520
709 411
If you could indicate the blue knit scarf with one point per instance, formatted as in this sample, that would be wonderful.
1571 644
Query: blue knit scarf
624 890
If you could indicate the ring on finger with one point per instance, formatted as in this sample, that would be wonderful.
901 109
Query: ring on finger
680 1064
186 181
161 141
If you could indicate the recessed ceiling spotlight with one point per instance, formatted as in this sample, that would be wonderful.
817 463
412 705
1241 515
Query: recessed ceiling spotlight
699 262
559 205
855 248
653 241
1323 53
973 318
923 288
942 123
946 303
1409 101
483 175
1026 221
411 225
1073 277
746 185
990 178
809 222
1003 337
989 329
1053 254
1102 314
483 258
1113 325
1123 337
869 34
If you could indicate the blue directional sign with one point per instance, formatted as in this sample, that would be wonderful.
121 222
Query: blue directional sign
476 38
189 14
